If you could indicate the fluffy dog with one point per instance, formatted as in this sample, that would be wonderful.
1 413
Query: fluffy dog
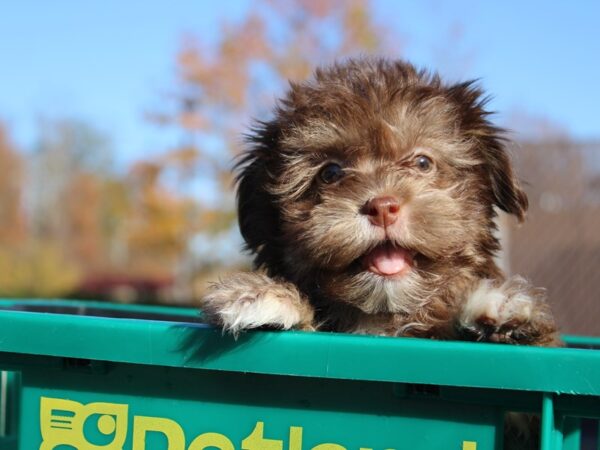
369 202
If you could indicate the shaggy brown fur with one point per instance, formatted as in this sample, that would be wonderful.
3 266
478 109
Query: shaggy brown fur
369 167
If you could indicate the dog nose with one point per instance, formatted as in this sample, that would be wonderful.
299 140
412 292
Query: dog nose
382 211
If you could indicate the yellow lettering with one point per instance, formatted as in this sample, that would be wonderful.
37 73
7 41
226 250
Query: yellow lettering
256 441
62 424
171 429
469 445
295 438
207 440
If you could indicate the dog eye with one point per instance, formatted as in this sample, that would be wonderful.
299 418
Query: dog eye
424 163
331 173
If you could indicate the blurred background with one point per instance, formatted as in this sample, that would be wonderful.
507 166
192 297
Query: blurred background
119 122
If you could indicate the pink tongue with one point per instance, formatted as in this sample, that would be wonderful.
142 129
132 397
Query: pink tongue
387 260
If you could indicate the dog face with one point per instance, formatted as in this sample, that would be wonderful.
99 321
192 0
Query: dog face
374 184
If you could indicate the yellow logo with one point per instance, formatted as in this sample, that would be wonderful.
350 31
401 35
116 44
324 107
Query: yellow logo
62 423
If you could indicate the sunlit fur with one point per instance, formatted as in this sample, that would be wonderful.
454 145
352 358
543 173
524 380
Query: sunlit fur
373 117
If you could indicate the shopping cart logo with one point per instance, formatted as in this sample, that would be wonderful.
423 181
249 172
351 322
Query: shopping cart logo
63 422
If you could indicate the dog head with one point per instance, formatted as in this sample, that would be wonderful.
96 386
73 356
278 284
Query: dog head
373 183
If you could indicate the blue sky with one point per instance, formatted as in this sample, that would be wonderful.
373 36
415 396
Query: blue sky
107 62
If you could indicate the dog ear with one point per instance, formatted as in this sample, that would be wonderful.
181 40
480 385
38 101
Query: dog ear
507 191
257 214
505 188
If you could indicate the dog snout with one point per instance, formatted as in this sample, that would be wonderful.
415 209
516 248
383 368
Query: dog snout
382 211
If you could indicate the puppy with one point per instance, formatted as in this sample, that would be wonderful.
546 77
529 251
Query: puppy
368 202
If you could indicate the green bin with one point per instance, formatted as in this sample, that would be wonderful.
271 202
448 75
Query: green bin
92 376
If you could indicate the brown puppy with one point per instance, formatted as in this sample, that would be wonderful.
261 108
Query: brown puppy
368 202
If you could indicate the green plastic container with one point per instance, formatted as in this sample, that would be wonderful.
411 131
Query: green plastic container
91 376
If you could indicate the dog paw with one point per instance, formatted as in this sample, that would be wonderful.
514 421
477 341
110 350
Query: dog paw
514 312
254 300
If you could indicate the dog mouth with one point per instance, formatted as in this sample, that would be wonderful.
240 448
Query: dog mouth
388 260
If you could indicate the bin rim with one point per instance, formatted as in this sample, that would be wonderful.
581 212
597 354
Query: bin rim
309 354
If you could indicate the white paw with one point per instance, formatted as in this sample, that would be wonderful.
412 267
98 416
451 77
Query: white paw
501 313
252 300
254 310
